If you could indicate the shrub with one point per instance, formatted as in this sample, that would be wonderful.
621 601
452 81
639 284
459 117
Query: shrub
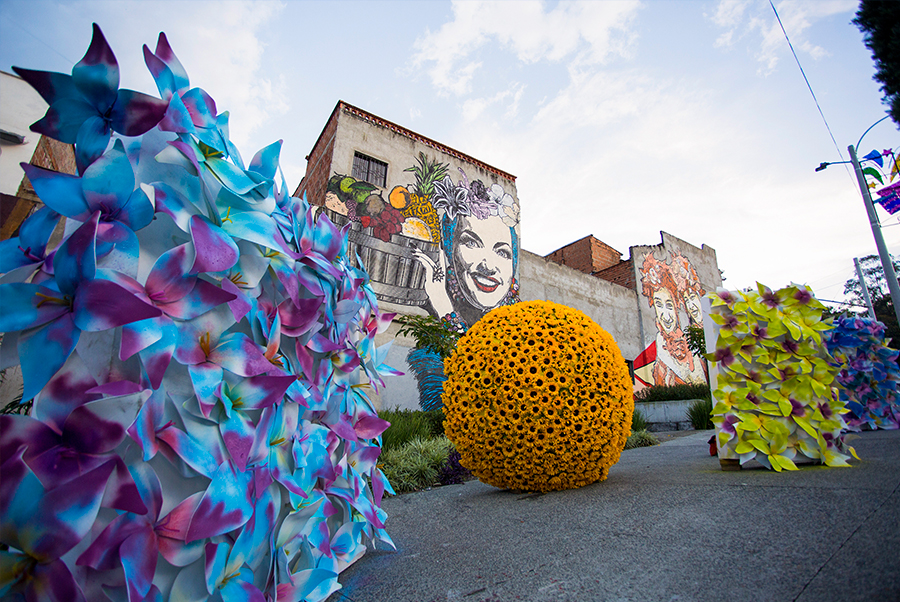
452 472
700 414
672 393
430 333
538 398
435 420
641 439
638 421
416 464
406 425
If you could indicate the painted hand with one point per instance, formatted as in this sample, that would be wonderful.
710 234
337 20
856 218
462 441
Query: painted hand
434 277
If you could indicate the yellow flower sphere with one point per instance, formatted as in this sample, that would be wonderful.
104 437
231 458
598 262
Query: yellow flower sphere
537 398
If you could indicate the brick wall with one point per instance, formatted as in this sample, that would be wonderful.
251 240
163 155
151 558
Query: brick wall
318 165
50 154
588 255
622 274
575 255
603 256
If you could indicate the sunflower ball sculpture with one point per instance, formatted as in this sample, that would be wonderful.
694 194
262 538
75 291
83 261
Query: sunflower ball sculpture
538 398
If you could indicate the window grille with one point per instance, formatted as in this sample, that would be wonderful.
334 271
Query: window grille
369 170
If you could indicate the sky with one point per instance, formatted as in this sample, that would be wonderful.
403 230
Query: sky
618 119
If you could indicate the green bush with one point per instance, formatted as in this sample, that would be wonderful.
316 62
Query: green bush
406 425
416 464
640 439
638 421
700 414
672 393
435 419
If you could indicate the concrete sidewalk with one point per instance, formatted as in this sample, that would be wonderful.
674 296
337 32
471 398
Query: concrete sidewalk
667 525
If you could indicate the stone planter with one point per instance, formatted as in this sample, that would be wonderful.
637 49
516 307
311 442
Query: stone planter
666 415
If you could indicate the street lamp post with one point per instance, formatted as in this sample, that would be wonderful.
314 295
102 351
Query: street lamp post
886 262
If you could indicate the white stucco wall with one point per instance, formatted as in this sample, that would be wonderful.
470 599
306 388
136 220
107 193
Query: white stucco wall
612 306
399 152
20 106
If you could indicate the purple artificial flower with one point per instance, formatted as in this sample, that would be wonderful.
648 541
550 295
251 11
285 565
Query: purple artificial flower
724 356
728 424
790 346
87 106
731 322
726 296
770 299
55 315
803 296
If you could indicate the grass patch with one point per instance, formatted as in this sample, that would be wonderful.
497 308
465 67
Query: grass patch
700 414
640 439
672 393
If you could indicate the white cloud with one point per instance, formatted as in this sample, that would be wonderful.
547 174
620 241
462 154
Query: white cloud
473 108
222 47
588 32
744 18
729 12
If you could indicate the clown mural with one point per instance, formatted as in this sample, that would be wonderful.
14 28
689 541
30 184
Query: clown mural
673 292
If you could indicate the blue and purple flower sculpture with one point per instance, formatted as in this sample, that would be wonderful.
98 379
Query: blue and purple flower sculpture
869 379
198 350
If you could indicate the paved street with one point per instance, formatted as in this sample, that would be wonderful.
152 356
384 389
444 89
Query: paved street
667 525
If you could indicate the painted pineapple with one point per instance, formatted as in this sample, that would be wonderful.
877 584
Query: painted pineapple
417 204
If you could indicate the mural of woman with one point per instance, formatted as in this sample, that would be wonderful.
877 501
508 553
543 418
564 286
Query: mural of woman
480 252
674 363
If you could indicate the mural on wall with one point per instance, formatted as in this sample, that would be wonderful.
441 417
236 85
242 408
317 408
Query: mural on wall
450 246
673 291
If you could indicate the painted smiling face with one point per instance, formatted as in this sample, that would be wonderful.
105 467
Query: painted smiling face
483 259
692 304
664 305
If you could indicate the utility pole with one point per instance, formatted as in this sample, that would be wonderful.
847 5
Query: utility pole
865 289
886 262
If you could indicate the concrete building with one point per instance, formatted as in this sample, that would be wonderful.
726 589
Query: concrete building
665 283
438 232
20 106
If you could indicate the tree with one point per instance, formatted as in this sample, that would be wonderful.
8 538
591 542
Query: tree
873 274
880 23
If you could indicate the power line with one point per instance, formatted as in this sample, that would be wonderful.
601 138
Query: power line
816 100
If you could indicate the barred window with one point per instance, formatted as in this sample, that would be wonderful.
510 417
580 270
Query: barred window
369 170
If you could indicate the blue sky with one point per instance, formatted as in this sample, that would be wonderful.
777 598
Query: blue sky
619 119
